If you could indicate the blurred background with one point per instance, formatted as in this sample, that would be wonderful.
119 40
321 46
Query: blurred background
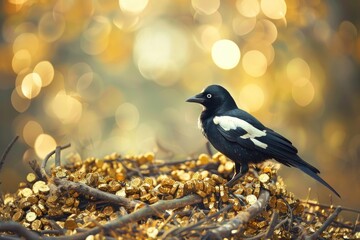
112 76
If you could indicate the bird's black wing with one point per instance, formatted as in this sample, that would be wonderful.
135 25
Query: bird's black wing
241 127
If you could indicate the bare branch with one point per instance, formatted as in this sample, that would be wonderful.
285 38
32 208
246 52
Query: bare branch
96 193
327 223
176 231
272 225
238 222
7 150
261 235
315 203
57 156
142 213
19 230
37 170
43 165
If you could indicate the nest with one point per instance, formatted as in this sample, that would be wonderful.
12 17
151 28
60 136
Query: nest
142 197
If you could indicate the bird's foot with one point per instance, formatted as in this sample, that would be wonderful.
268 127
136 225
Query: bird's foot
232 181
239 197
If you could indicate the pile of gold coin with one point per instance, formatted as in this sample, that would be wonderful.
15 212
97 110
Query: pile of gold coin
46 209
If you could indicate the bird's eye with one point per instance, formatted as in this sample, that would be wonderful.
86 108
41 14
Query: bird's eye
208 95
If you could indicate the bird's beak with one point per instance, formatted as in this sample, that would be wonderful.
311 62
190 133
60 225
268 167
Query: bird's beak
196 99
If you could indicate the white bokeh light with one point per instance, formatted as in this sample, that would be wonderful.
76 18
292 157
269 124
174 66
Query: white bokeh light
225 54
133 6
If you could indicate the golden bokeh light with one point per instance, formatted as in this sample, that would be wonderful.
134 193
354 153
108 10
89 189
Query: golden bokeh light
109 101
46 72
207 7
334 134
263 47
215 19
21 60
298 72
95 38
254 63
89 86
225 54
252 97
31 85
90 128
44 144
322 30
51 26
242 25
303 95
31 131
126 22
18 2
19 103
248 8
161 48
133 6
275 9
66 108
208 36
269 30
127 116
27 41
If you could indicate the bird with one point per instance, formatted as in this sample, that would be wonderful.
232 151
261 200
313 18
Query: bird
243 138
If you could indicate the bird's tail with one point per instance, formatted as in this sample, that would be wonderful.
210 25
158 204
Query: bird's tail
313 172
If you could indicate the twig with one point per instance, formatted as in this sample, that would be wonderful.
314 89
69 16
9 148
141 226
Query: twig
154 209
290 212
54 232
56 227
272 225
9 237
96 193
178 230
356 223
261 235
328 221
57 156
19 230
7 150
336 223
236 224
37 170
43 164
170 163
142 213
314 203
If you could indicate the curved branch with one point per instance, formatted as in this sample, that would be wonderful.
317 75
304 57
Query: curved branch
19 229
238 222
43 164
145 212
37 170
328 221
7 150
96 193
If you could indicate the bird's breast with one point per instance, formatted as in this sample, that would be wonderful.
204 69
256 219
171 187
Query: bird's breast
201 126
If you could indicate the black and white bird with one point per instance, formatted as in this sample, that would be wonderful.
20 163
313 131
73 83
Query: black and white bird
243 138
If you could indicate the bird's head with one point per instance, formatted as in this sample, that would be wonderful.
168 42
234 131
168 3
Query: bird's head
214 97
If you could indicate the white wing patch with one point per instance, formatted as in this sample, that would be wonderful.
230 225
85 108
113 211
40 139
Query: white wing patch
231 123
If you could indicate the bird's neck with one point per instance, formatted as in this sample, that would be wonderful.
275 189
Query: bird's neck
212 112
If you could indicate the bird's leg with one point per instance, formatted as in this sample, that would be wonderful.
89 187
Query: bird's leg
240 170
